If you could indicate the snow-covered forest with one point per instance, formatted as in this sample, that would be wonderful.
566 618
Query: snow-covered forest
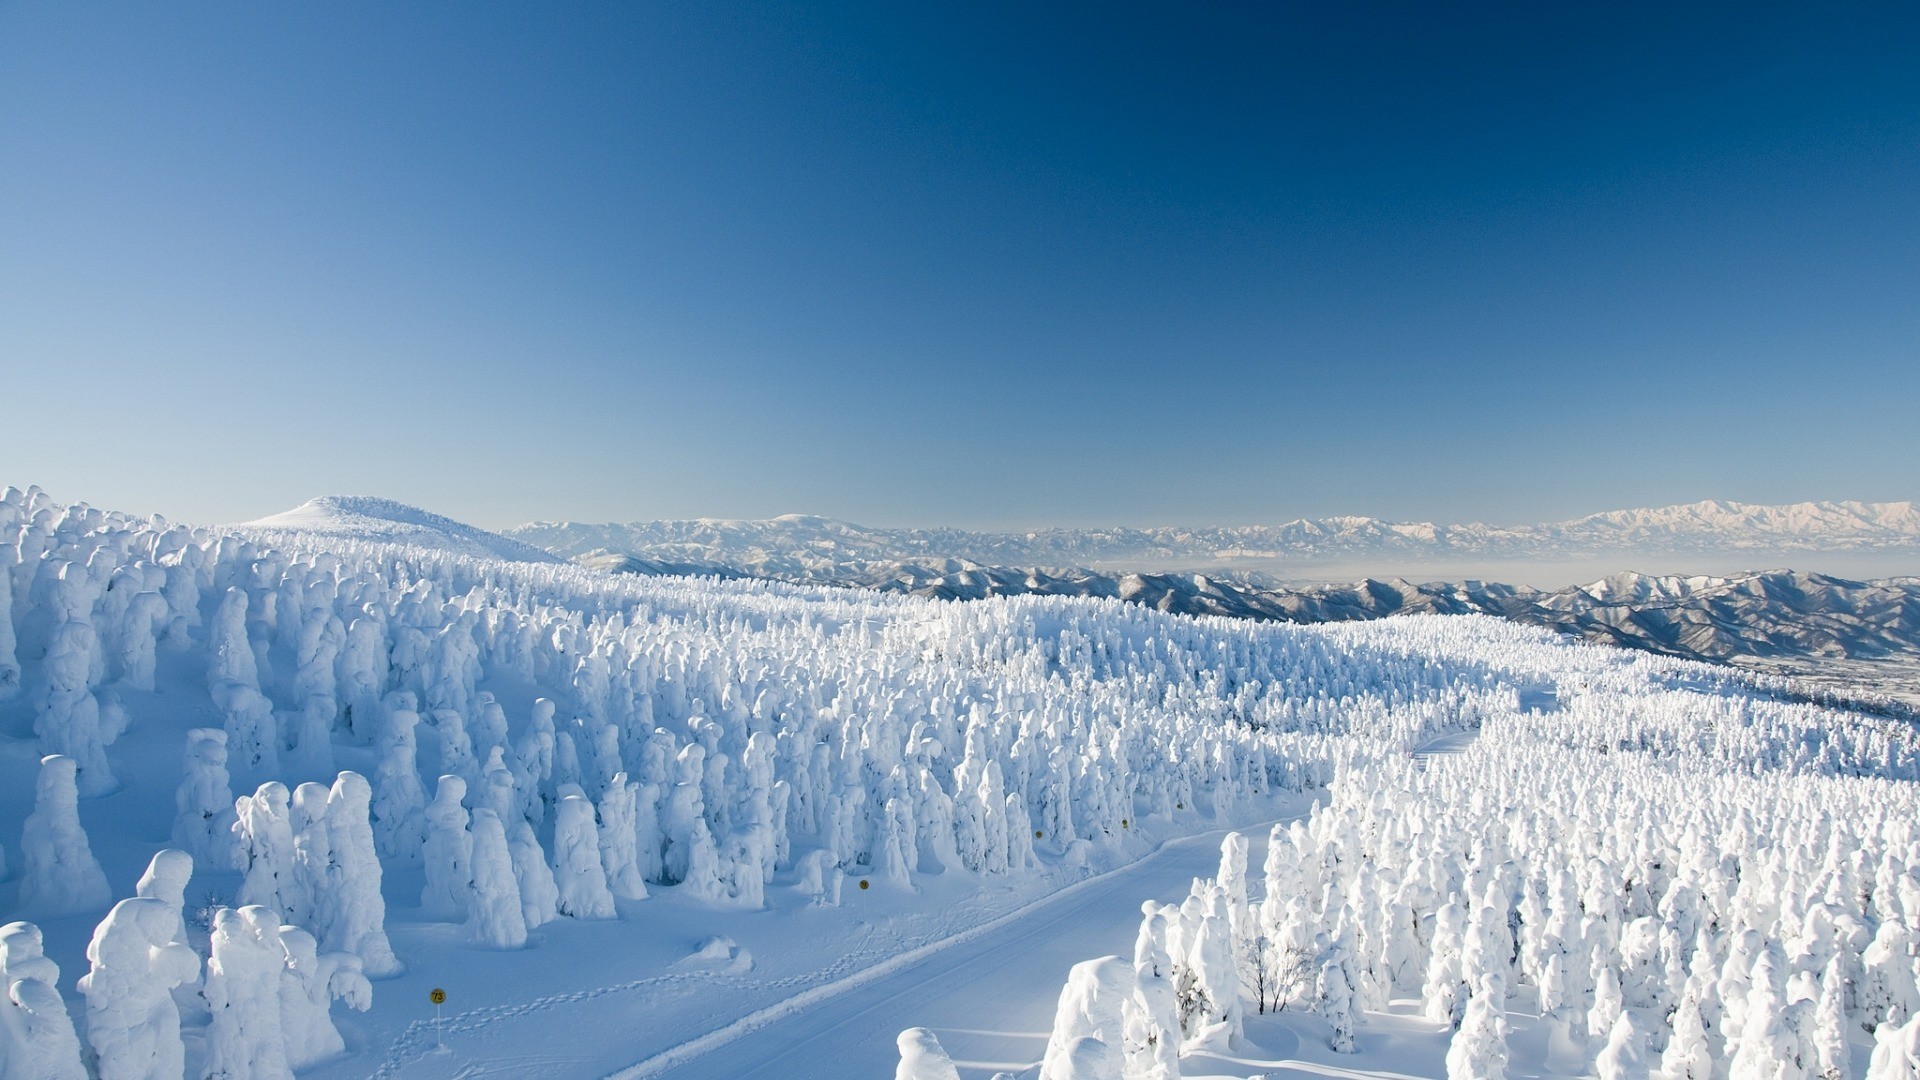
253 787
1625 885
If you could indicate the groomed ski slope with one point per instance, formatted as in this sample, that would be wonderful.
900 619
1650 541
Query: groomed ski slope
987 995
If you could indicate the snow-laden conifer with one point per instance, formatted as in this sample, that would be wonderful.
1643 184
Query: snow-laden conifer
36 1033
133 1024
58 873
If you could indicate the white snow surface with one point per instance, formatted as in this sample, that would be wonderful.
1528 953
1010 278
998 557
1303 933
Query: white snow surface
383 521
858 813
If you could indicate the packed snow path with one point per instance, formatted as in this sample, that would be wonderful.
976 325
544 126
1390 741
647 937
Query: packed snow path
1455 743
990 998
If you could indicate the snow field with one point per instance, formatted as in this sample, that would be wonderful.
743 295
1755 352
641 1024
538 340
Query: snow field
550 790
606 736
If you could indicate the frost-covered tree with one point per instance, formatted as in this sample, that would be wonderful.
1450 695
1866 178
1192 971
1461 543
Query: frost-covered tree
1689 1053
1091 1007
133 1024
449 853
36 1033
253 731
1896 1051
456 748
165 880
619 838
1446 991
310 982
9 641
1625 1055
246 1037
1832 1055
1888 993
1478 1050
356 912
577 871
923 1058
203 804
264 828
1608 1003
399 799
494 914
539 895
59 875
1152 1035
312 858
230 655
1339 1000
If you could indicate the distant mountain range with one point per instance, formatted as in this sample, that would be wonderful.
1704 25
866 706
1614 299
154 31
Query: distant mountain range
799 547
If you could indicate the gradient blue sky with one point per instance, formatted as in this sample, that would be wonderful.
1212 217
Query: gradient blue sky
983 265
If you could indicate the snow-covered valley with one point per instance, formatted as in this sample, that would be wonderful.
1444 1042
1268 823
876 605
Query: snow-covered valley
637 825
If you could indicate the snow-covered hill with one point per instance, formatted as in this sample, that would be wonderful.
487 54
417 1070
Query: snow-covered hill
1858 639
294 774
383 521
799 547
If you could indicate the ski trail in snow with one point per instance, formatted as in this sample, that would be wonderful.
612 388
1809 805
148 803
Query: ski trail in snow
1452 743
899 964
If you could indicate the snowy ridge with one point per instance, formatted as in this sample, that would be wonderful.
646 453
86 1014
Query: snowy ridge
383 768
1856 638
372 520
814 548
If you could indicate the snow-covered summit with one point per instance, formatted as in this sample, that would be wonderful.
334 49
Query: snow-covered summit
384 521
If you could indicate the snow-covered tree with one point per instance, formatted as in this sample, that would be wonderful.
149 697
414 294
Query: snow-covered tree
1339 1001
133 1024
923 1058
246 1037
399 799
619 838
1625 1055
494 914
577 871
356 912
1896 1051
203 804
1092 1007
59 875
539 895
1479 1048
264 828
310 981
72 721
36 1034
449 853
1689 1053
1151 1043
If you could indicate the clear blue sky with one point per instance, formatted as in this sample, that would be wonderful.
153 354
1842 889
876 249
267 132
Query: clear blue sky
981 265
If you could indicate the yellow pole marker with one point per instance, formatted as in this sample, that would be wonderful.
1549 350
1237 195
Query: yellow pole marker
439 998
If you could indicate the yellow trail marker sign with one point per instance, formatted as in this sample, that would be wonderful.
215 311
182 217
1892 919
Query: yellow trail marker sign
439 998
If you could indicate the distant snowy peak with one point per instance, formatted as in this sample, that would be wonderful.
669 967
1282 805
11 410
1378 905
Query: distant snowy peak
383 521
802 546
1897 522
